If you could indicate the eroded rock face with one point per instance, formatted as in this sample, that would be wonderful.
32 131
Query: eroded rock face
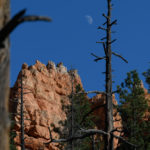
44 88
100 100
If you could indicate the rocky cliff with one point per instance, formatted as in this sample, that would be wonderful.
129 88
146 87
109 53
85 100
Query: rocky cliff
44 88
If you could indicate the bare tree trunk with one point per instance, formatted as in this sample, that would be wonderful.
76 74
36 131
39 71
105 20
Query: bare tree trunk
6 27
4 78
109 104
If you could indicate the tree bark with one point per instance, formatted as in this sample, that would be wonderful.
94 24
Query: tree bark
109 104
4 78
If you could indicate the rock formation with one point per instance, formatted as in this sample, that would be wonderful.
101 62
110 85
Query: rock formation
99 100
44 88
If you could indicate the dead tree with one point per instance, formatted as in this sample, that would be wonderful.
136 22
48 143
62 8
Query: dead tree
106 42
109 129
19 101
4 79
6 27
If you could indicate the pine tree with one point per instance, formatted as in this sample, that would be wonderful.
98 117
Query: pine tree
147 77
78 108
81 107
132 108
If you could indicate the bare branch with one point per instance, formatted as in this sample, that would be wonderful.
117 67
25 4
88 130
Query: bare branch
103 38
104 72
104 23
105 16
113 41
124 140
50 133
100 42
97 57
35 18
114 22
120 57
94 131
87 133
16 20
102 28
90 92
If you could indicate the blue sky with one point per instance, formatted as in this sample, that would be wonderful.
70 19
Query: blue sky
72 36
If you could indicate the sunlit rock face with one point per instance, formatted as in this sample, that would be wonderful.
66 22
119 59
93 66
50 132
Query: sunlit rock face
44 88
100 100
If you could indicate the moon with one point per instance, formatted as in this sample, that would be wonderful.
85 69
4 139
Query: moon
89 19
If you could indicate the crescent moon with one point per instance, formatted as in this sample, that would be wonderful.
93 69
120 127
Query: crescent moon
89 19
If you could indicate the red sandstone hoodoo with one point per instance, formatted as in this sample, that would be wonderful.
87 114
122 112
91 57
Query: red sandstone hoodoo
45 87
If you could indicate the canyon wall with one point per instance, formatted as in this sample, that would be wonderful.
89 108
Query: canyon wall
45 87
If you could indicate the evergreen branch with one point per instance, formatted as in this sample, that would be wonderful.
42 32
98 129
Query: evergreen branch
120 57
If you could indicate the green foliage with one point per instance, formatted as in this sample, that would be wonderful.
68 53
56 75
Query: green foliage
81 107
132 107
76 118
147 77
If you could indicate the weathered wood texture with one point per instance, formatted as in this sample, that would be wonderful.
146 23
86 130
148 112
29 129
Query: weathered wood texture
109 103
4 78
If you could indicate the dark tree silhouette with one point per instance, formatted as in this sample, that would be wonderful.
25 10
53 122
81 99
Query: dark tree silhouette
6 27
109 129
107 42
